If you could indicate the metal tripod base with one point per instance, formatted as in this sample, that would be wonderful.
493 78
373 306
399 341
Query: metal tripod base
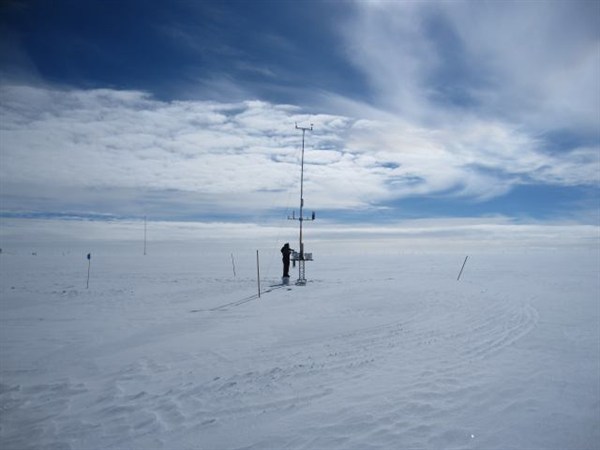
301 273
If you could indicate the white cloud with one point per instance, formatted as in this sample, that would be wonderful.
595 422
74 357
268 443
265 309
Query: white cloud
545 56
479 159
124 152
384 40
529 62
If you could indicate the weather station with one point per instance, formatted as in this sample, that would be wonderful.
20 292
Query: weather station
300 257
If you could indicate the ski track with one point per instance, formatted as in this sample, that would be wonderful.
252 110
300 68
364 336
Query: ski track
120 413
434 393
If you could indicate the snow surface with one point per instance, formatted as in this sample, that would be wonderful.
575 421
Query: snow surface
379 351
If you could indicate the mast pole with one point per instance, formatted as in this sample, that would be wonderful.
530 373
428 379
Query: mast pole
301 219
300 256
301 248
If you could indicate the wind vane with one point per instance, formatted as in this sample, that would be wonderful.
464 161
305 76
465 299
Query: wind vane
301 256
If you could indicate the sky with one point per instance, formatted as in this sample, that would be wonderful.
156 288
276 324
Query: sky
185 111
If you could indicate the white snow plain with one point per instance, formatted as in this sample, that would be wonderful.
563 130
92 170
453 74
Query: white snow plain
380 350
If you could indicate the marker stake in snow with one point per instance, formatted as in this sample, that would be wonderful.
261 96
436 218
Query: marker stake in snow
258 273
89 257
462 268
233 264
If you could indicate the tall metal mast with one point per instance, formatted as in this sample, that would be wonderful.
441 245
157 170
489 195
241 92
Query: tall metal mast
301 256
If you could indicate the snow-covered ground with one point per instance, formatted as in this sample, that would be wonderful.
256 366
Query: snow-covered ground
380 350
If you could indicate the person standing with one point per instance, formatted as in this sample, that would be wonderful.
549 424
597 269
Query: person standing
285 252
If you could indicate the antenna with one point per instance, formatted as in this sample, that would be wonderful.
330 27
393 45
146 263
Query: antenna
300 255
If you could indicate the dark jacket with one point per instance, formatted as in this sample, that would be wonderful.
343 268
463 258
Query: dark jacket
285 251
